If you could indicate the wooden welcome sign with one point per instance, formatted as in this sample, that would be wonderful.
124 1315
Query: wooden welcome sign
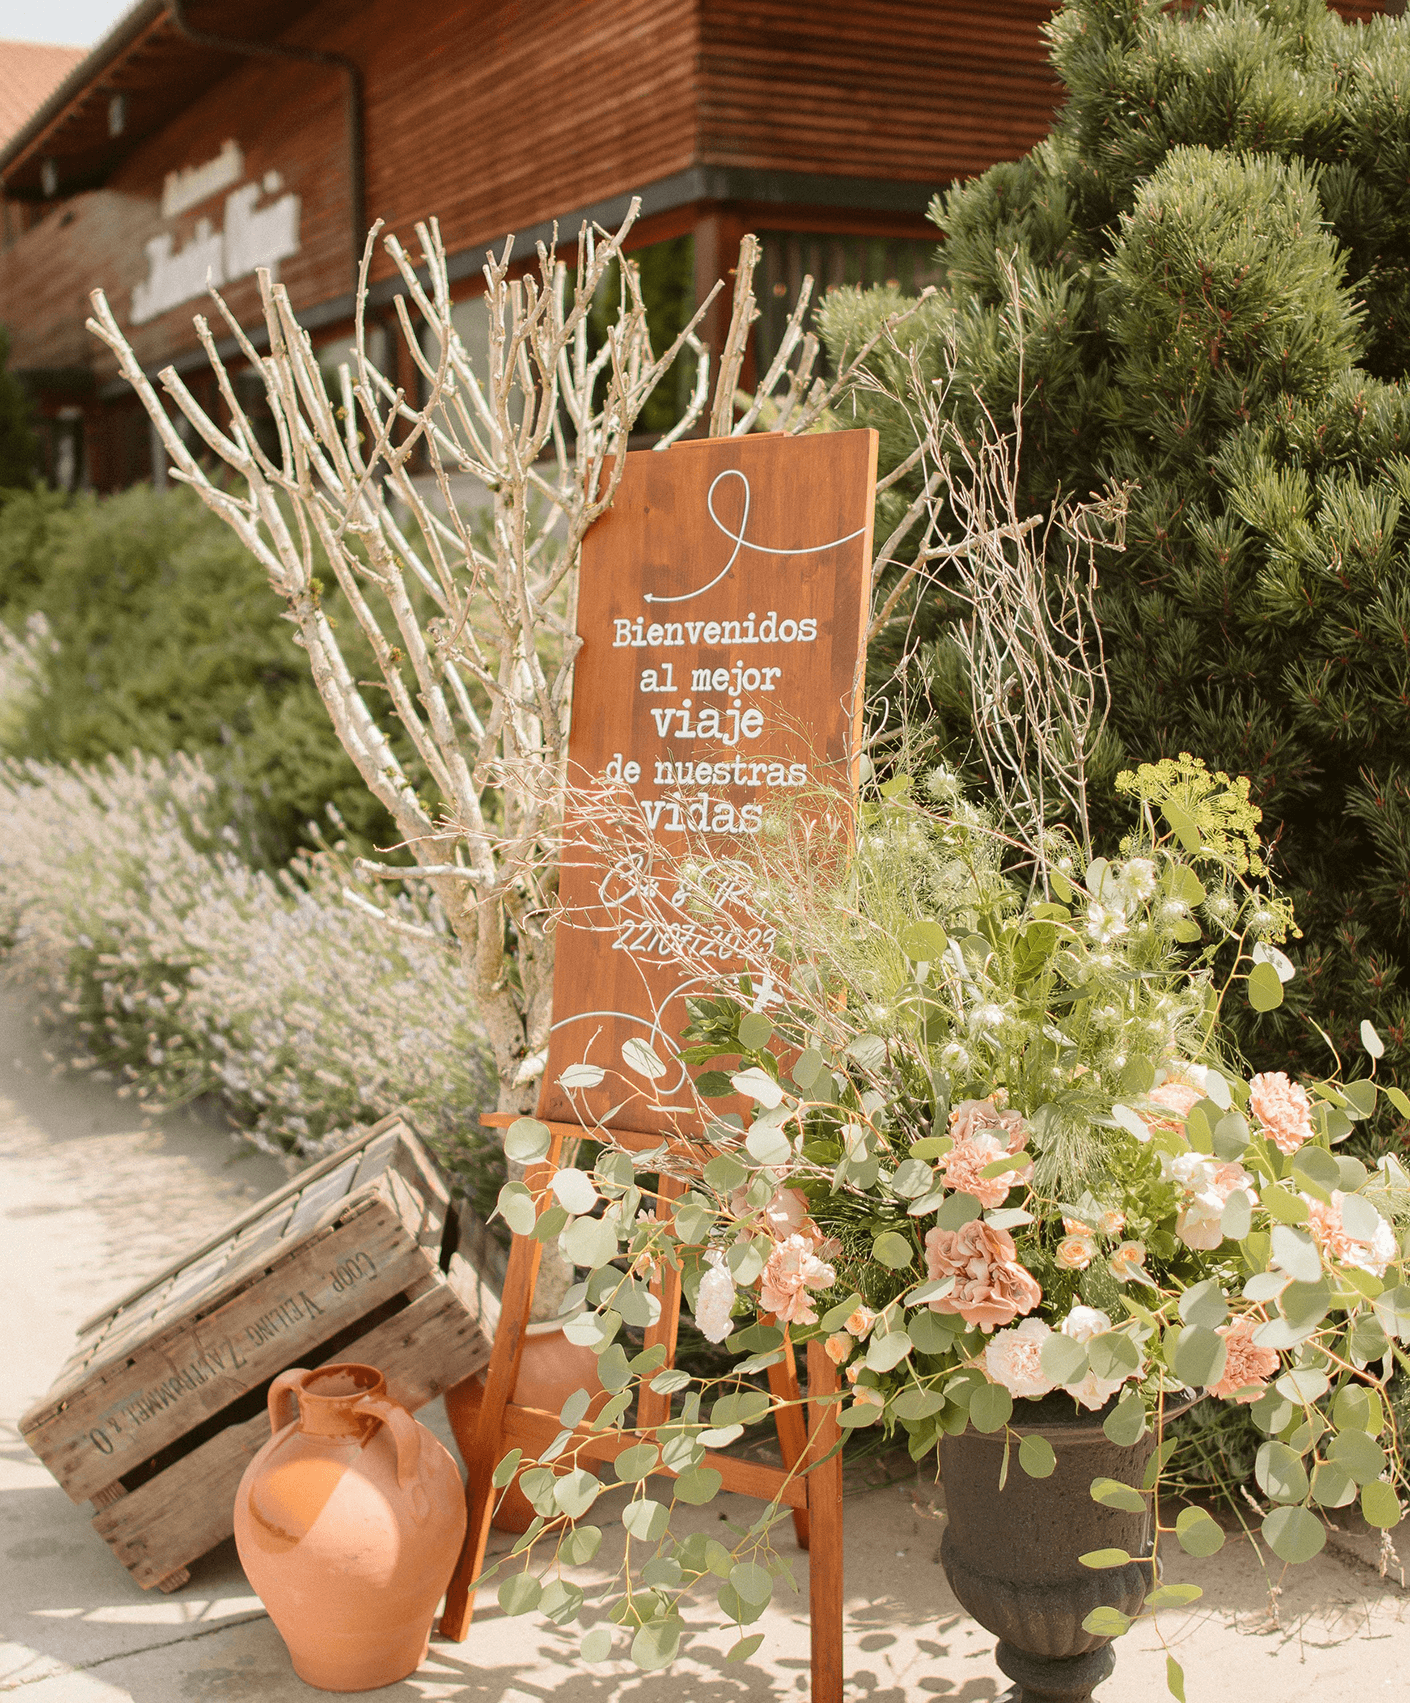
722 605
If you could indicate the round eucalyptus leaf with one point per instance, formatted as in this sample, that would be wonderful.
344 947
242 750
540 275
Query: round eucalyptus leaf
1125 1425
1198 1533
1112 1493
1265 988
809 1068
923 942
526 1139
1099 1559
990 1407
754 1031
745 1648
596 1646
590 1242
1296 1253
753 1583
574 1189
1331 1487
1359 1218
645 1519
1359 1456
576 1492
1063 1359
1200 1356
507 1468
1379 1506
697 1485
636 1463
893 1250
656 1643
516 1208
1294 1534
581 1544
1280 1473
1036 1456
1106 1623
519 1593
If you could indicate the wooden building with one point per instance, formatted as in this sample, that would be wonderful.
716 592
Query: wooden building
202 136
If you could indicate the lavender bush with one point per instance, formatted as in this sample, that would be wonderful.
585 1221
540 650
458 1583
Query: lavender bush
309 1005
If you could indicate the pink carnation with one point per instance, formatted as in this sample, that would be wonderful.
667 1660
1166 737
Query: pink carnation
975 1117
991 1287
1014 1358
1282 1108
784 1216
962 1165
1172 1096
1248 1367
1331 1234
793 1269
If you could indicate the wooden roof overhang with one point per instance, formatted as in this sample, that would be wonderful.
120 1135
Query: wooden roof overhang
78 137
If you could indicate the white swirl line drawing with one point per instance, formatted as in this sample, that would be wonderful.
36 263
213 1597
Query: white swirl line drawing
740 542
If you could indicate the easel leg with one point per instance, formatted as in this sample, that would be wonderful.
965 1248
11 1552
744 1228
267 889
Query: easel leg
654 1409
792 1427
489 1432
825 1508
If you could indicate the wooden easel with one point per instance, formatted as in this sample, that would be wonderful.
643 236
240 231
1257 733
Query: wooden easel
809 1482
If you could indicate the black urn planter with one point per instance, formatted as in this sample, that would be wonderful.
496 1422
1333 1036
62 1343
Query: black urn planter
1011 1555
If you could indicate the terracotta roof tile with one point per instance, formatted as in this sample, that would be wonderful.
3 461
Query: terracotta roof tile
29 73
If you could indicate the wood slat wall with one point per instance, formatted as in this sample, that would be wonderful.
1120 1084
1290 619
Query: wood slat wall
917 90
497 114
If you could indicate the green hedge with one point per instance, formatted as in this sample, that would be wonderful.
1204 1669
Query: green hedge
168 638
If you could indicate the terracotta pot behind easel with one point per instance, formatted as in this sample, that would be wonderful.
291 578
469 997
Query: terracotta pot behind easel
550 1369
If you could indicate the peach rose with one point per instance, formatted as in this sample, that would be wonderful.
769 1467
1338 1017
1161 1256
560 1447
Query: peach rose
991 1287
1014 1358
1248 1367
860 1320
976 1117
838 1346
962 1165
1127 1262
793 1269
1282 1108
1075 1252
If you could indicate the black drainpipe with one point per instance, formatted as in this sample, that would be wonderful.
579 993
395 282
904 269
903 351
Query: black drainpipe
357 169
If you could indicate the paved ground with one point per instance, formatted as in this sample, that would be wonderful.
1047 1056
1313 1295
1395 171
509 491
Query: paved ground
90 1200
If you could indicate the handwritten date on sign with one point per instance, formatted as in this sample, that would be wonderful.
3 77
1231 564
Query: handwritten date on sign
721 610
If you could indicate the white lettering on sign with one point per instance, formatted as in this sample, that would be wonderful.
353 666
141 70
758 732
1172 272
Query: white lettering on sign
250 237
183 190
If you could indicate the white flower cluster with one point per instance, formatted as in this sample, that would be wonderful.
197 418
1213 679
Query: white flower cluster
186 972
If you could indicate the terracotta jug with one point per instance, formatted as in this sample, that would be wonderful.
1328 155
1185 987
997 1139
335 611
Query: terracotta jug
550 1369
348 1522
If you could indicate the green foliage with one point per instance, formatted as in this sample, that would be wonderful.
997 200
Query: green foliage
1215 295
18 448
169 639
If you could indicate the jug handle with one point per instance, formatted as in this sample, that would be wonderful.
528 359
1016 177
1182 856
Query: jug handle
406 1434
281 1398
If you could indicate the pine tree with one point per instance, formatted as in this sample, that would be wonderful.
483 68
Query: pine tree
1214 251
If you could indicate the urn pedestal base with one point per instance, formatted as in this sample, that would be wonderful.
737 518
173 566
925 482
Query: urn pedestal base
1011 1554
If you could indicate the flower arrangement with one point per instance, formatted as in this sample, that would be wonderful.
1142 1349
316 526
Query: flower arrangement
992 1149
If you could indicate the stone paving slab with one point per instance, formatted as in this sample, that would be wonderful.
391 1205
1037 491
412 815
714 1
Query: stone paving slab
90 1199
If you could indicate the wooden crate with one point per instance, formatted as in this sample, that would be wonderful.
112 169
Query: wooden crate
162 1404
